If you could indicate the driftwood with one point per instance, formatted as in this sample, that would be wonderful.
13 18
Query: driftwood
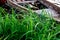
16 5
47 3
51 5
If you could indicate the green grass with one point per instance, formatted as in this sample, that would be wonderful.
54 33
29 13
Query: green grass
28 26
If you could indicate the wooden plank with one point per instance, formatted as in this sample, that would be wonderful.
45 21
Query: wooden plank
53 5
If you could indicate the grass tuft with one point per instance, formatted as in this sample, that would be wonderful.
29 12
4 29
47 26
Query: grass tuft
28 26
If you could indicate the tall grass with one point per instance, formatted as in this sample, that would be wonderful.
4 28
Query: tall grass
28 26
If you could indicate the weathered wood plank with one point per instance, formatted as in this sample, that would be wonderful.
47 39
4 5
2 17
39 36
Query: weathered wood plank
53 5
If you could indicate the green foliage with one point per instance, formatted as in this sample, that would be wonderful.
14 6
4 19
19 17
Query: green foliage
28 26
